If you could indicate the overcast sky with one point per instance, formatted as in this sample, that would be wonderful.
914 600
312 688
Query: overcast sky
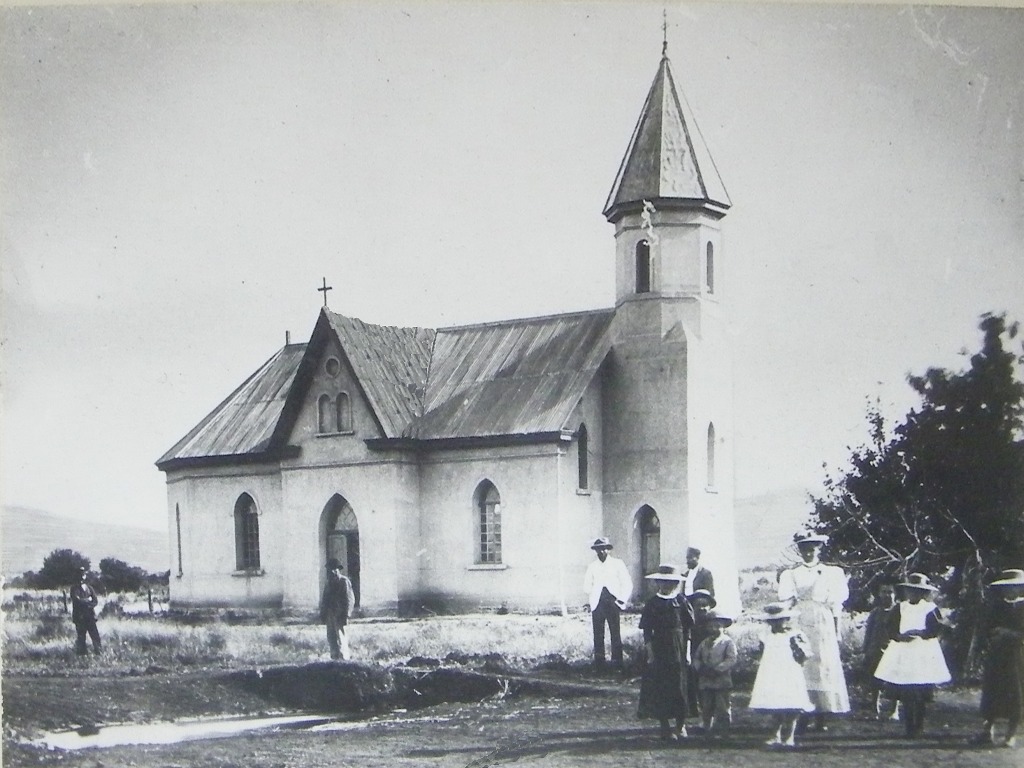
177 179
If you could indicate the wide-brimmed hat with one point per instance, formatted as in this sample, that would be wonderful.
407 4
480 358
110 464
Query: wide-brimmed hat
601 542
810 536
714 615
1011 577
705 594
666 572
332 563
775 611
919 581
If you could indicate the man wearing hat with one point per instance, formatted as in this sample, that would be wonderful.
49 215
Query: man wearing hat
696 576
608 587
83 613
1002 681
336 606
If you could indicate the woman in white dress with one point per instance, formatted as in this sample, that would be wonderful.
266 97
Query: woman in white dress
818 592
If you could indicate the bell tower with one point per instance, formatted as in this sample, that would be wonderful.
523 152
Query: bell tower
668 403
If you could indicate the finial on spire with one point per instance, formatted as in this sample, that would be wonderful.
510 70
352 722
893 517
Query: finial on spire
664 33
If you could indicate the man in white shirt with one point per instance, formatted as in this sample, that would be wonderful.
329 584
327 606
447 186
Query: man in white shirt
696 576
608 587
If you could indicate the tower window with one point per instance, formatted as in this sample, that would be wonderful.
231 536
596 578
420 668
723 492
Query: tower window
247 534
711 455
643 267
488 515
710 269
584 459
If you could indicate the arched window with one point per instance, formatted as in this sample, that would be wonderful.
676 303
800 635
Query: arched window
325 415
247 534
710 269
650 545
711 455
583 458
177 527
643 267
344 412
488 516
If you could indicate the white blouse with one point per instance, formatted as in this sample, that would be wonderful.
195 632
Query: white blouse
818 583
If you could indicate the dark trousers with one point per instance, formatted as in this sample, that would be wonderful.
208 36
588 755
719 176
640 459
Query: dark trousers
87 626
607 611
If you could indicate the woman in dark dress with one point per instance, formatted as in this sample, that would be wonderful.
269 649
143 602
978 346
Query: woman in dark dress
666 622
1002 682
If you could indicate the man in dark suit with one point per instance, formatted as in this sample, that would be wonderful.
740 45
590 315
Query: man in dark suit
696 577
83 613
336 606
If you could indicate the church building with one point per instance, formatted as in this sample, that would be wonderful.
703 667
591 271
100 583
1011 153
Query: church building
470 468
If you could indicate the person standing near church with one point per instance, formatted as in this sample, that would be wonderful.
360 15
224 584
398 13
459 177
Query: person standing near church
696 576
608 587
336 606
818 592
83 613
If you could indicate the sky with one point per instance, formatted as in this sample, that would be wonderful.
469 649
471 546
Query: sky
176 180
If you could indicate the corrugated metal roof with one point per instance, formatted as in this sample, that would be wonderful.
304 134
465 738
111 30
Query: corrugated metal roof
391 365
667 158
519 377
242 424
511 378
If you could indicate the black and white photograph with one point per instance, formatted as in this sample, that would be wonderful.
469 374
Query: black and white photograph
463 383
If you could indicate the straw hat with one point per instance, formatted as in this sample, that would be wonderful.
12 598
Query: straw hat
919 581
810 536
706 595
714 615
776 611
601 542
666 572
1011 577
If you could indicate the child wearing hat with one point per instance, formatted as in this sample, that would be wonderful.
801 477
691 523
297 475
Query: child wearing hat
912 663
713 662
666 621
1002 682
780 686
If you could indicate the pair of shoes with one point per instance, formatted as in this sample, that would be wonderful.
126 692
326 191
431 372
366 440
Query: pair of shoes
789 744
774 741
1011 742
681 733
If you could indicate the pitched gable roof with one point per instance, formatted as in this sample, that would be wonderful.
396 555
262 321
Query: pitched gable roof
242 426
511 378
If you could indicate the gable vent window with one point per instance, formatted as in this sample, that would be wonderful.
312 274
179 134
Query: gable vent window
334 414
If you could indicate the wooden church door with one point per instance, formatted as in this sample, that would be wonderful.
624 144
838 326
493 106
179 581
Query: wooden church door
341 539
650 547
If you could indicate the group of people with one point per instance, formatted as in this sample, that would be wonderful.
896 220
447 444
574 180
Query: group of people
688 656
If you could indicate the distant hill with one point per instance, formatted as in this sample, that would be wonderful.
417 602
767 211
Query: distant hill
29 535
765 525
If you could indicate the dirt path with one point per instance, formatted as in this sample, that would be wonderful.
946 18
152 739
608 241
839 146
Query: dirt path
536 729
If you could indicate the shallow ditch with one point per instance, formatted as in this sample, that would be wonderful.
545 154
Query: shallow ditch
323 696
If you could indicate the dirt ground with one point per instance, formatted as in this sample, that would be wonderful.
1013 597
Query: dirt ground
552 721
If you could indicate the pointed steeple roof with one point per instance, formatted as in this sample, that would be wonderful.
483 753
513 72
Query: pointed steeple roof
667 161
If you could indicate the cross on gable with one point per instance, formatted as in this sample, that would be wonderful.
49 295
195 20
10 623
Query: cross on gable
325 289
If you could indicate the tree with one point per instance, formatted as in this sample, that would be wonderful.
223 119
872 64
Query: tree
61 568
118 576
943 491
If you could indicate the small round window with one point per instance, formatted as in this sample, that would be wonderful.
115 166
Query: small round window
332 366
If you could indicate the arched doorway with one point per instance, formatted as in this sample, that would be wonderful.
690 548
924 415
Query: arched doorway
339 537
650 546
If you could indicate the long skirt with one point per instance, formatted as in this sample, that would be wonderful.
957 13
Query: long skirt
663 684
823 671
1002 683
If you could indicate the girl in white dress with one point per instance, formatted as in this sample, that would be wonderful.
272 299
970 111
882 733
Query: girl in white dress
912 662
817 591
780 687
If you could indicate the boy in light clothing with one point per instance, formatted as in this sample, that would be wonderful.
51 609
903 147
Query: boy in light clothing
713 662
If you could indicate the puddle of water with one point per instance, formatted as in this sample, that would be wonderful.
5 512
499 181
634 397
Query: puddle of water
172 733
